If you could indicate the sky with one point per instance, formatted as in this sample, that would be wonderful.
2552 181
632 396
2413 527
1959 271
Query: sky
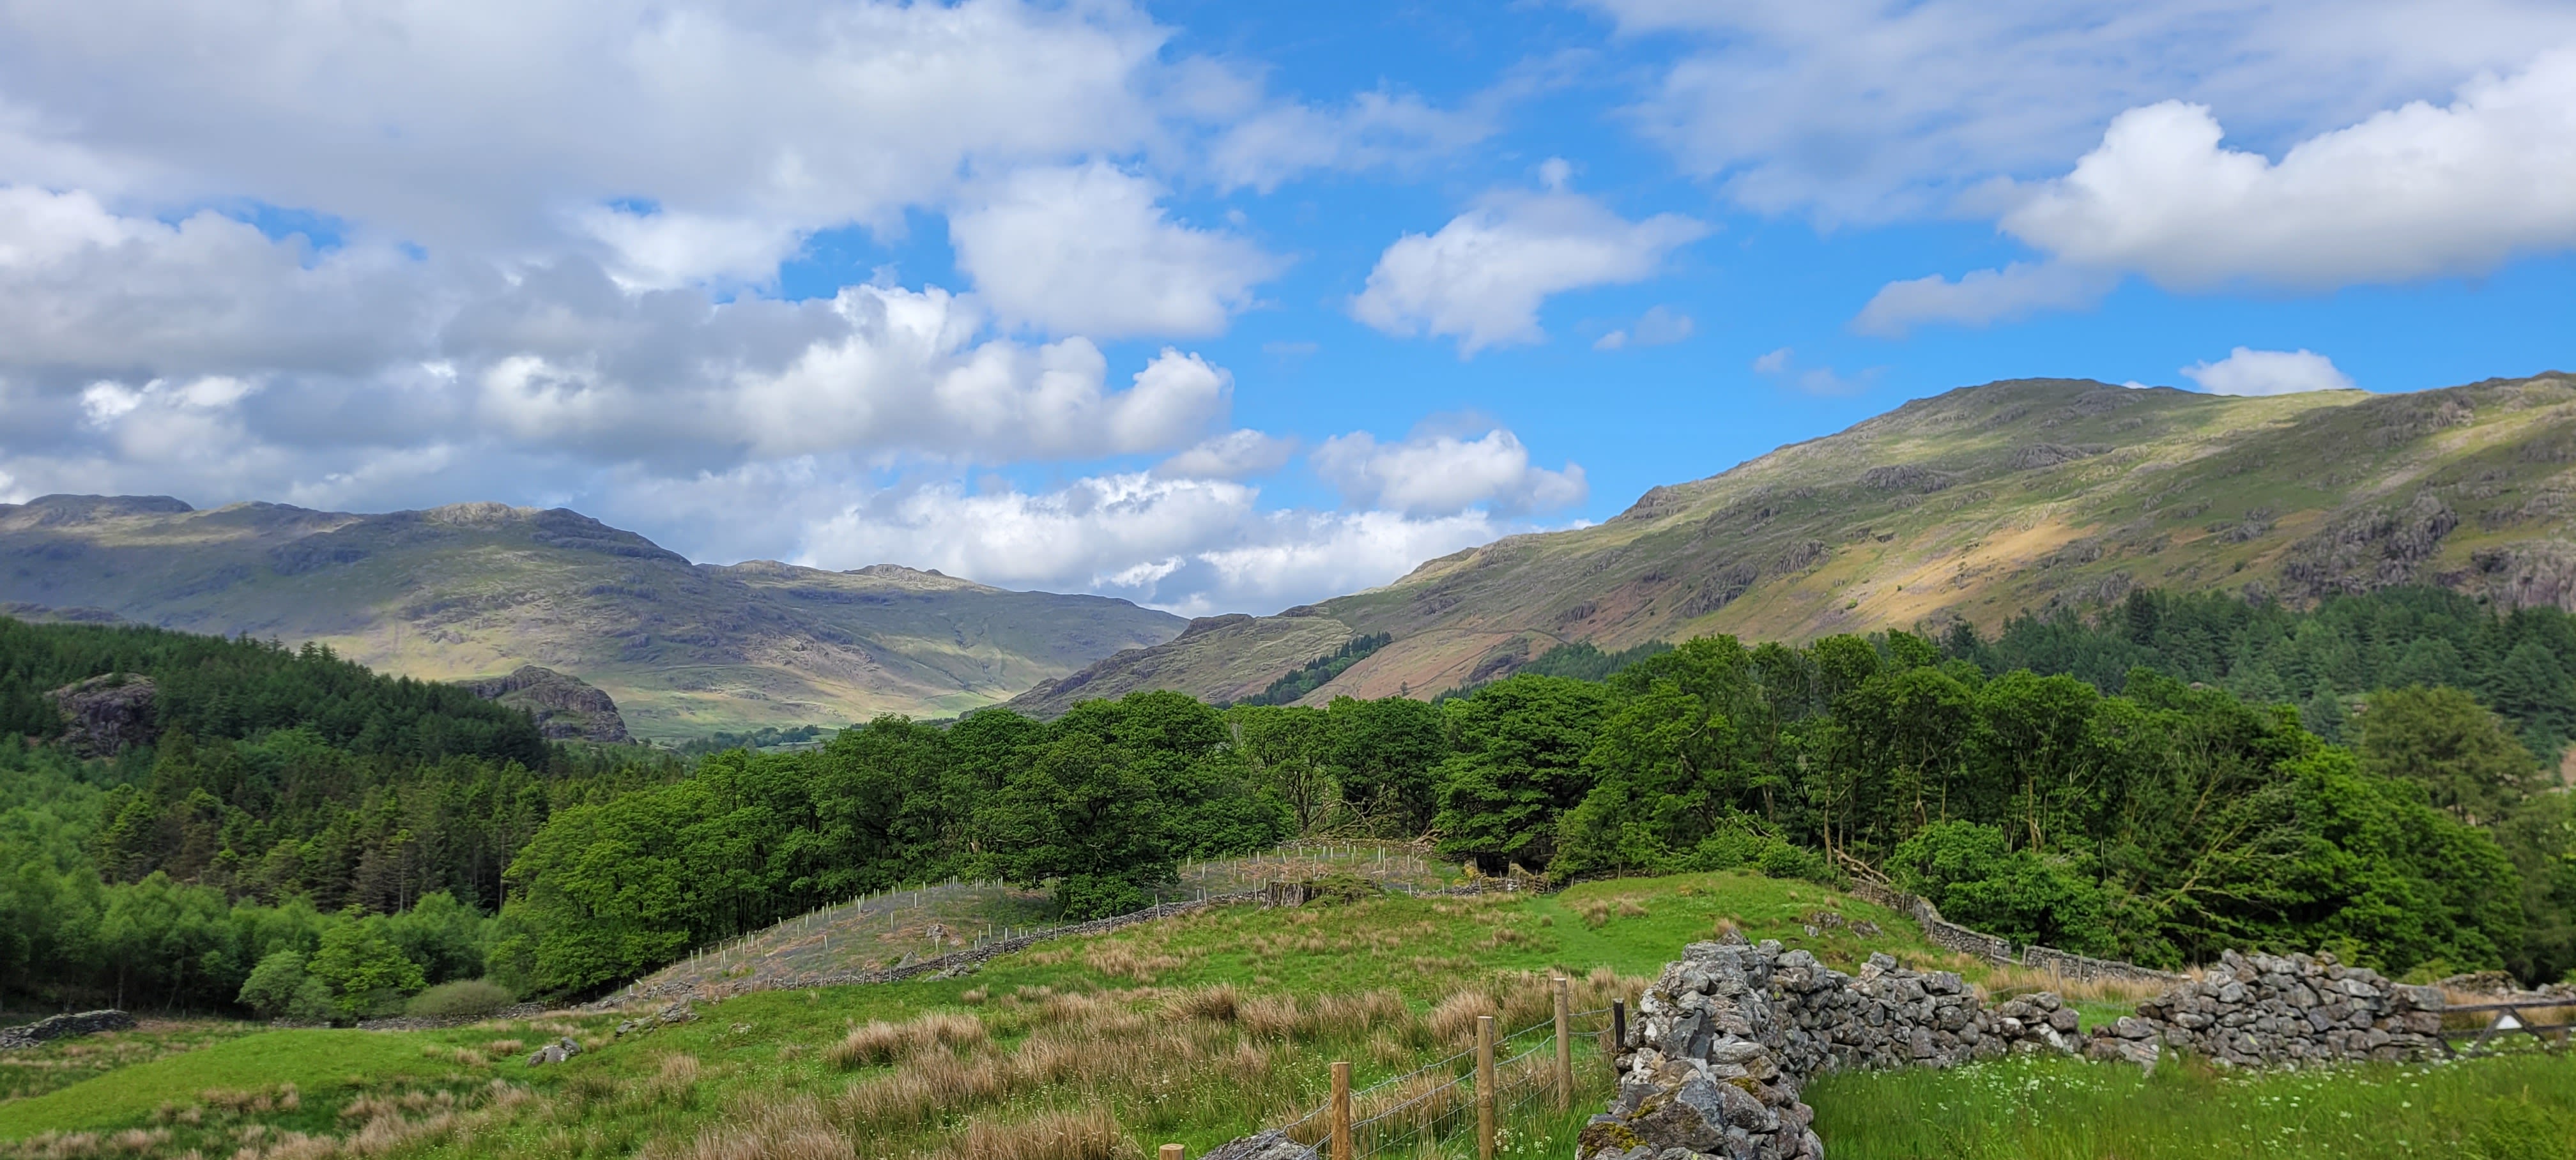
1213 306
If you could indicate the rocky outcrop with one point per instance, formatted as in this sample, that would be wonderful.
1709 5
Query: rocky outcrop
106 714
1272 1144
2369 550
556 1052
64 1027
565 707
2270 1011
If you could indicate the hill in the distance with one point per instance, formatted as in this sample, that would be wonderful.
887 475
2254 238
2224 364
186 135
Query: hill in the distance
478 590
1974 505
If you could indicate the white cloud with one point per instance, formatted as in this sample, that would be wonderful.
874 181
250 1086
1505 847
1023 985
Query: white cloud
364 350
1824 380
2268 372
1234 455
1192 546
1087 250
1658 326
1378 129
662 250
1982 297
1864 110
1437 472
1482 277
490 127
2412 192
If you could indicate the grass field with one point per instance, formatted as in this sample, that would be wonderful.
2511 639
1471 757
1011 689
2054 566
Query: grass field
64 1062
1191 1030
2519 1107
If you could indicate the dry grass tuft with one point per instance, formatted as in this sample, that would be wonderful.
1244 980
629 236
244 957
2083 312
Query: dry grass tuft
916 1096
1089 1134
787 1130
1218 1004
878 1041
1452 1021
1121 960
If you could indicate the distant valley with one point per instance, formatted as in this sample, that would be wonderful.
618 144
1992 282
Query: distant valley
477 590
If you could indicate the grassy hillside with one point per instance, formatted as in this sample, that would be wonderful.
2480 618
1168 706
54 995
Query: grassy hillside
1196 1030
1977 505
1193 1029
476 590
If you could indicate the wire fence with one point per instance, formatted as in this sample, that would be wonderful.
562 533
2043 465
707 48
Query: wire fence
1413 1114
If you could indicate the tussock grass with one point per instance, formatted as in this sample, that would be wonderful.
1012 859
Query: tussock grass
1084 1134
792 1129
878 1041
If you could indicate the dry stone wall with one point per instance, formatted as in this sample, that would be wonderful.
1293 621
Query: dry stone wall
63 1027
2265 1010
1726 1039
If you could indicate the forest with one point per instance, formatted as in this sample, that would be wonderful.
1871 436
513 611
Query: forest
2157 780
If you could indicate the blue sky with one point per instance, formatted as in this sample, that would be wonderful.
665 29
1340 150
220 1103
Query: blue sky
1214 306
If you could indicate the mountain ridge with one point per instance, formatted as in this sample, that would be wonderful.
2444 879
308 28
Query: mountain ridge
1974 505
476 590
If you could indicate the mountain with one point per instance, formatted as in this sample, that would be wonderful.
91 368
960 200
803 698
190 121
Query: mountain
477 590
1973 506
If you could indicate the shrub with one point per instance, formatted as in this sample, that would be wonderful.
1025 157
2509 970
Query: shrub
272 983
462 999
366 972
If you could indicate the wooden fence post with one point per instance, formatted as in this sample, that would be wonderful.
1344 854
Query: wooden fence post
1484 1087
1342 1110
1618 1029
1173 1152
1564 1046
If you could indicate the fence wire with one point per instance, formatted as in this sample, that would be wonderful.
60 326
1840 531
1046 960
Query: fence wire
1413 1113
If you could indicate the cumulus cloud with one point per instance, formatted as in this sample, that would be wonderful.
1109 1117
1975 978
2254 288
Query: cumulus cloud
1087 249
1658 326
1982 297
492 126
112 324
1763 96
2412 192
2268 372
2419 191
1481 278
1192 546
1437 472
1233 455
